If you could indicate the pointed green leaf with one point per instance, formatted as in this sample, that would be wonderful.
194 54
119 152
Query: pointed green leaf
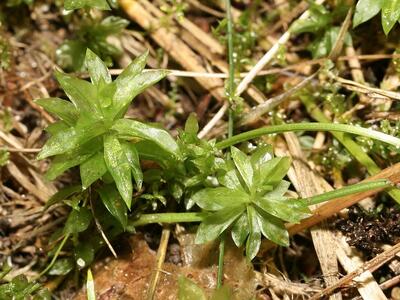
366 10
272 228
230 180
254 240
132 128
63 109
240 230
274 170
132 81
78 221
390 14
62 195
82 93
278 191
84 254
243 164
133 158
114 204
218 198
92 169
191 125
261 155
70 139
97 68
59 143
291 211
216 223
188 290
118 165
70 159
56 127
149 150
62 266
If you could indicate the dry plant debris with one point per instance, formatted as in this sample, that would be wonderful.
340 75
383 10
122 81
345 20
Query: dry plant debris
251 71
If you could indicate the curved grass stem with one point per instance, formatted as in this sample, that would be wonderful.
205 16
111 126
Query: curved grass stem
366 132
348 190
56 254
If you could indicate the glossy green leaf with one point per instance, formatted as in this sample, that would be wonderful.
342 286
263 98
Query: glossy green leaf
81 93
133 158
62 266
69 139
217 222
278 191
62 195
97 68
218 198
63 162
63 109
274 170
254 239
78 221
150 150
230 180
366 10
114 204
59 143
261 155
291 211
92 169
132 81
188 290
119 167
390 14
240 230
76 4
84 254
243 164
132 128
272 228
56 127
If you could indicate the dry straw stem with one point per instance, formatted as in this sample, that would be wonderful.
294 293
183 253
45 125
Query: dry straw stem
268 57
308 184
372 265
161 252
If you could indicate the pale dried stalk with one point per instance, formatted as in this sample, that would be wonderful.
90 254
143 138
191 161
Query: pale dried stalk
368 288
307 184
161 252
372 265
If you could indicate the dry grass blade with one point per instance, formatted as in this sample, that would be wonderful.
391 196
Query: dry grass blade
308 184
161 252
371 266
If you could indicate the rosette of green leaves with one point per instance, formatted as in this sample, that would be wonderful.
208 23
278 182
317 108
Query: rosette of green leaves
251 202
92 132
